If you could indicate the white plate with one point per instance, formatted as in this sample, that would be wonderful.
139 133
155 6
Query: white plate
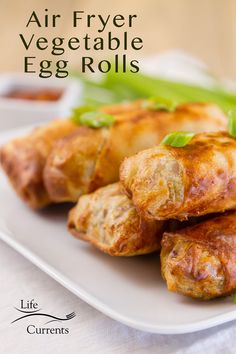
129 290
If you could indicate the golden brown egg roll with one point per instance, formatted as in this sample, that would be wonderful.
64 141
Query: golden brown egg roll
200 178
199 261
91 158
108 220
23 160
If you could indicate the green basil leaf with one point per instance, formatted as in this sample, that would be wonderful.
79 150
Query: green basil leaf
159 104
96 119
78 111
234 298
177 139
232 123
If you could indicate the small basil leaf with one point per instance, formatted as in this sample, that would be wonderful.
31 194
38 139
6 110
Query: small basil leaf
177 139
159 104
232 123
96 119
234 298
78 111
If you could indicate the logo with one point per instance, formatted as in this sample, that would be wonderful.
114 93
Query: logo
30 310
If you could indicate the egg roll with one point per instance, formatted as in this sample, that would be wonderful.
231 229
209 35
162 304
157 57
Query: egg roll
23 160
91 158
197 179
107 219
199 261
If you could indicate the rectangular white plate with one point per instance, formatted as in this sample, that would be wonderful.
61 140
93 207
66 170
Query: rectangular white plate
129 290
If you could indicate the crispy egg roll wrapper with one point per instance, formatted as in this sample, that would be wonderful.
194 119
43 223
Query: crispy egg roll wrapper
200 178
108 220
91 158
24 159
199 261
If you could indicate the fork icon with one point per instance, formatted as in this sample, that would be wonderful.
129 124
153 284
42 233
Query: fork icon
70 315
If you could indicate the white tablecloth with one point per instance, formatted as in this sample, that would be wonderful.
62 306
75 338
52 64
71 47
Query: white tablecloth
90 331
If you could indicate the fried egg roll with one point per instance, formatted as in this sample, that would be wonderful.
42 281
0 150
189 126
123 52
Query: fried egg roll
198 179
24 159
199 261
108 220
91 158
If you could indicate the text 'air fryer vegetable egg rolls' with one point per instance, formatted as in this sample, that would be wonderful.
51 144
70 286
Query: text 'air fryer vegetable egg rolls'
200 178
91 158
199 261
107 219
23 159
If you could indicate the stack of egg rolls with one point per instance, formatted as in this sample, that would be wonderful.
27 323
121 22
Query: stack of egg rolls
163 184
160 187
91 158
198 179
62 160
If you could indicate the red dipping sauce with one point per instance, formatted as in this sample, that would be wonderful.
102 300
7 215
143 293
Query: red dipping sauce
35 95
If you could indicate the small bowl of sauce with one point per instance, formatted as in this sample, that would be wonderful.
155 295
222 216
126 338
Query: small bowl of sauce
28 100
